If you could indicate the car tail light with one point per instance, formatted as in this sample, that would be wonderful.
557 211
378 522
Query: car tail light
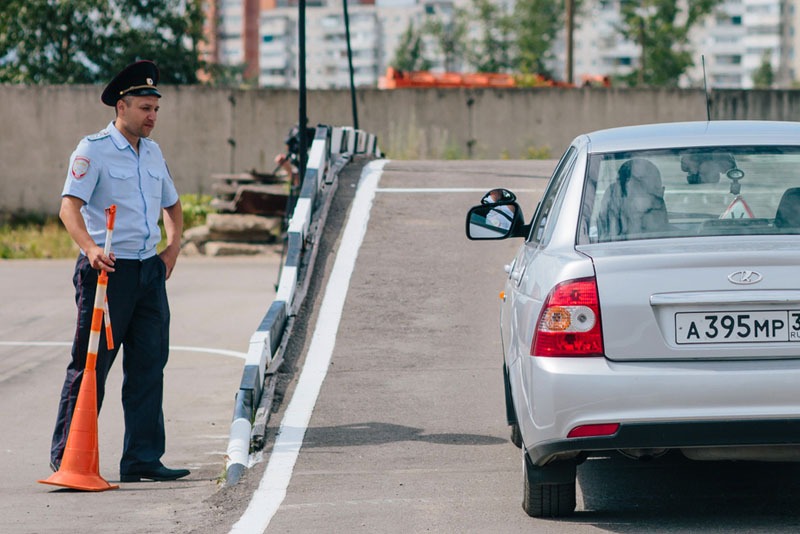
590 431
569 324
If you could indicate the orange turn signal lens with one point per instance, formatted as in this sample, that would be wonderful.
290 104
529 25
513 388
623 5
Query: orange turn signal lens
556 319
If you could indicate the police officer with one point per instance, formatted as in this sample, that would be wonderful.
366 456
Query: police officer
120 165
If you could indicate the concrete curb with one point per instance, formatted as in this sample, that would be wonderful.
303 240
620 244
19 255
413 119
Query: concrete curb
330 151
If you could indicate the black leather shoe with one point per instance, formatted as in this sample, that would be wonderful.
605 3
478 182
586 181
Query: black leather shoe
158 474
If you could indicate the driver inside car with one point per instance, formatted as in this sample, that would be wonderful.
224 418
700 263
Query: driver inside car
634 203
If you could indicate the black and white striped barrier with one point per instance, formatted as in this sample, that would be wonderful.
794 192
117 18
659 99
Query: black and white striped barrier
330 151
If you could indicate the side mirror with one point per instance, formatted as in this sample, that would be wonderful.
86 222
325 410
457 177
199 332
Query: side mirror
498 196
491 222
498 217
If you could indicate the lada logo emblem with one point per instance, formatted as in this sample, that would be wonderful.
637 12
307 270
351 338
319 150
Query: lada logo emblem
744 277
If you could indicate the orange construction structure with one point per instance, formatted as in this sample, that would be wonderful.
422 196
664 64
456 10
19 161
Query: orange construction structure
398 79
588 80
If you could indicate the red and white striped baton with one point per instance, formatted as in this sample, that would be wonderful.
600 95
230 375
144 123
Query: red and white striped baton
100 299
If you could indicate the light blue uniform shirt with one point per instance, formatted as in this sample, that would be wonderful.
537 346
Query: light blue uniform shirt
106 170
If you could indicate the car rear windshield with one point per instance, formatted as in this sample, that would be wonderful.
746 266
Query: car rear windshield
690 192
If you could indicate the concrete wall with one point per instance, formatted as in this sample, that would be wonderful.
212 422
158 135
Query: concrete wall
203 131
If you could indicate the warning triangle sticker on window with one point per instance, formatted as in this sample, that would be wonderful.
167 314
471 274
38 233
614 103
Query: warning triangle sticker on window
737 209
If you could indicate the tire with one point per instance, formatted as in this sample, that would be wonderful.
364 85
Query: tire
546 499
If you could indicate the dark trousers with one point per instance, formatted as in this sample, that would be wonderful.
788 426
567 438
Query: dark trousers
139 310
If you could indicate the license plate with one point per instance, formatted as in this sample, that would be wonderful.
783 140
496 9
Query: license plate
737 327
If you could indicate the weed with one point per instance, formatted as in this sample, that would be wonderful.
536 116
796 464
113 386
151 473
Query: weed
452 151
538 152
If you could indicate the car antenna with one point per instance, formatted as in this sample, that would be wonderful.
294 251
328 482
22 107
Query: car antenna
705 89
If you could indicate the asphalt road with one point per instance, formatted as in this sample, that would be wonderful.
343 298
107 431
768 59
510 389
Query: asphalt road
408 432
216 305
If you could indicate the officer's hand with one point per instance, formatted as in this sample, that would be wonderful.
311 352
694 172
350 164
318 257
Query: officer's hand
98 259
170 257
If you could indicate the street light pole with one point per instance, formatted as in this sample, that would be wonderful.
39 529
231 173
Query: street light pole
642 59
350 66
301 78
570 15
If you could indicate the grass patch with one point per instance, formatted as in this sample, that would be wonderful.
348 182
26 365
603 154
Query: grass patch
538 152
195 209
35 236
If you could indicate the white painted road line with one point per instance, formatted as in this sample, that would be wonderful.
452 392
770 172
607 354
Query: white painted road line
272 489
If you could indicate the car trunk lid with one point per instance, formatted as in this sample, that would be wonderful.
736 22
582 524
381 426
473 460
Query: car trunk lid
716 298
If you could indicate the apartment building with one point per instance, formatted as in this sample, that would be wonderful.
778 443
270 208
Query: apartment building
375 32
740 35
734 40
277 58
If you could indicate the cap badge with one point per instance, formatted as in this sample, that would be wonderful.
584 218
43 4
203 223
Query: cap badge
149 81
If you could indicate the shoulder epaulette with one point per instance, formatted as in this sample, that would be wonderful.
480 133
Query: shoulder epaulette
99 135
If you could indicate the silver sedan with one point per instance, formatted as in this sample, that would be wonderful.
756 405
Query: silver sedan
654 305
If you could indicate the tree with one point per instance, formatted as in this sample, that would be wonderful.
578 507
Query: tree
451 36
536 25
764 76
410 53
168 32
89 41
661 28
478 36
220 75
488 39
490 52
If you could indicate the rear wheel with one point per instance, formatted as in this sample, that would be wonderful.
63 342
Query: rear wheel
549 491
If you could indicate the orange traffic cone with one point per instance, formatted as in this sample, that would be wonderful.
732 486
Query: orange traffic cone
80 466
